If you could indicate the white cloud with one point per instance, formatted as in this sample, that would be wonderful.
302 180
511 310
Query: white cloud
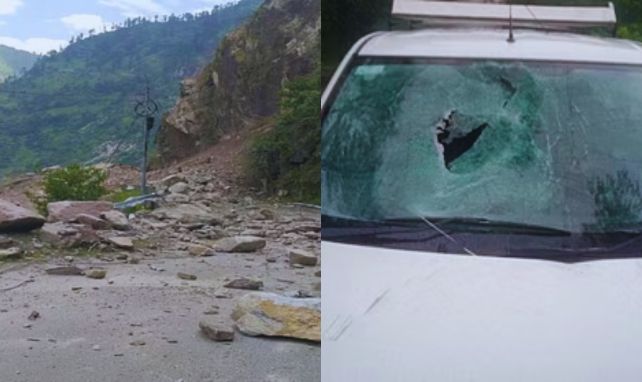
83 22
134 8
39 45
9 7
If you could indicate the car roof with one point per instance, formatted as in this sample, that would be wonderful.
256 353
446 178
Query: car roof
493 44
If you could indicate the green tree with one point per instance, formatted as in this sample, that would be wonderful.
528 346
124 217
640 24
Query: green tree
288 157
75 182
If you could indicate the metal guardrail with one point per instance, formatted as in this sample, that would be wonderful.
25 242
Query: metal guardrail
136 201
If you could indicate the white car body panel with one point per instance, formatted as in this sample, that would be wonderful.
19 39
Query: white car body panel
393 315
500 14
493 44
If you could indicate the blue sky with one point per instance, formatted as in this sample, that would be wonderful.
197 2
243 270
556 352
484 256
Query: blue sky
42 25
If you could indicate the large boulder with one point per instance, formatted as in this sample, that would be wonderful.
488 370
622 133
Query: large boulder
269 314
187 214
121 242
240 244
69 235
14 218
69 210
301 257
117 219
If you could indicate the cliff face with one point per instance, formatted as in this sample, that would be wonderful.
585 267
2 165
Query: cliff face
241 86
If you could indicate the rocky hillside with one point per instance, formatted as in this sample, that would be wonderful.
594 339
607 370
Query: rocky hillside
14 62
241 86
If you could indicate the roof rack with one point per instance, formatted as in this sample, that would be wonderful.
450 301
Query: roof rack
457 13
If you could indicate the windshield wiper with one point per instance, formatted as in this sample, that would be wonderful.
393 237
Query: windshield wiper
446 235
490 226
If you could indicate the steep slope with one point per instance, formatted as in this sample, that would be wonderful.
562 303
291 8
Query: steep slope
77 105
14 62
241 86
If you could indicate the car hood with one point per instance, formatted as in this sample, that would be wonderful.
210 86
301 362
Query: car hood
393 315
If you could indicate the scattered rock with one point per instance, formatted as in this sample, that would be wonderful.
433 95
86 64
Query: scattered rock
68 235
245 283
172 180
269 314
122 242
65 271
177 198
14 218
57 232
34 316
186 276
267 214
96 273
155 268
6 242
11 253
92 221
69 210
117 219
240 244
96 348
200 250
138 343
216 331
187 214
179 188
301 257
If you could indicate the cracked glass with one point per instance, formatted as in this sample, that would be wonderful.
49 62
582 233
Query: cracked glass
552 144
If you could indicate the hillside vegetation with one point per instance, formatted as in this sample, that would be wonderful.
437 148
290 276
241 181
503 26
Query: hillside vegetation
288 157
14 62
77 105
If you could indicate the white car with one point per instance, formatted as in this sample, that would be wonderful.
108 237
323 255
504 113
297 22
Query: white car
482 211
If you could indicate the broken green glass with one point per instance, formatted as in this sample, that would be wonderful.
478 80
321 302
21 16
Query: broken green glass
551 144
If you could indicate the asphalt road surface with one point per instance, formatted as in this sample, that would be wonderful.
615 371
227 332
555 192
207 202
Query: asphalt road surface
141 324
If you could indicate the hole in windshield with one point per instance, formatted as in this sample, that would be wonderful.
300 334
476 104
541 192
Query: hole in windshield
455 136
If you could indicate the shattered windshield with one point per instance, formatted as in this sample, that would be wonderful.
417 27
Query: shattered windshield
549 144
